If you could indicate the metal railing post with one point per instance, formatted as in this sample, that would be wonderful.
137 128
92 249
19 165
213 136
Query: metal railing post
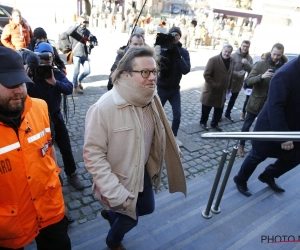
216 209
256 136
206 213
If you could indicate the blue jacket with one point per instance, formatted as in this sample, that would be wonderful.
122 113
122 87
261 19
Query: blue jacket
51 94
281 111
176 68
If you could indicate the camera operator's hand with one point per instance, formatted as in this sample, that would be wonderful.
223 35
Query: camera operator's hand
27 69
176 51
51 80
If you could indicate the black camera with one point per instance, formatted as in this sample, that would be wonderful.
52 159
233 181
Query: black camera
43 71
164 40
33 60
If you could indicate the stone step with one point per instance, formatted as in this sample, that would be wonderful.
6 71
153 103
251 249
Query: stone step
177 223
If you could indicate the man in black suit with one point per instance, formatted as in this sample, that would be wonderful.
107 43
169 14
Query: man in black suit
280 113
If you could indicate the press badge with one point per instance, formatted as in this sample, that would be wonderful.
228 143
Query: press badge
45 148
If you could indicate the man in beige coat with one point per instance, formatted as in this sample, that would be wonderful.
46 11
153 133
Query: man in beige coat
127 137
217 75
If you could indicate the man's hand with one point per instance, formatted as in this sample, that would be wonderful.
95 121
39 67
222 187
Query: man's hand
176 51
289 145
180 154
244 60
157 49
268 74
128 201
26 68
51 80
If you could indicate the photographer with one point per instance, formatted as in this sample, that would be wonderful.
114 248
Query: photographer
40 35
49 84
174 62
79 36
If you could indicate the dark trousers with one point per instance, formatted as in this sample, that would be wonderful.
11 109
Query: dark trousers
231 103
123 223
249 119
173 96
62 140
216 116
53 237
275 170
245 103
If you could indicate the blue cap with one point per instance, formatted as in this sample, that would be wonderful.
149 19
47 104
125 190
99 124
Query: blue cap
43 47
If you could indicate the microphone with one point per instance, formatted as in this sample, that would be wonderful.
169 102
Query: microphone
30 58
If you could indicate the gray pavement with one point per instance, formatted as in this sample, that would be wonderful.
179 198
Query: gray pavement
200 156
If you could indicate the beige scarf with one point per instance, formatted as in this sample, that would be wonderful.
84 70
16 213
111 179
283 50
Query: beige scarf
140 96
134 93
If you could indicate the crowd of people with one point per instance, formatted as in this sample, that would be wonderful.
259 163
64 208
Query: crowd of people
131 113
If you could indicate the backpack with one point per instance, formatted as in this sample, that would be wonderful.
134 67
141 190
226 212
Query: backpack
64 43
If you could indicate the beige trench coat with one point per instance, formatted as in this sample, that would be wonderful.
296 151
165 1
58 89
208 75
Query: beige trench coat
114 151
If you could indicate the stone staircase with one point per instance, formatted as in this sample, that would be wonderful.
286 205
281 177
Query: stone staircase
257 222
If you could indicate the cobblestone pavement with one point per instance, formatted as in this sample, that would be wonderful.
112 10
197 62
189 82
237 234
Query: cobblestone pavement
200 156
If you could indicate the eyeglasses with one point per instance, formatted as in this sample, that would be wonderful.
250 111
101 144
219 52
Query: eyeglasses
146 73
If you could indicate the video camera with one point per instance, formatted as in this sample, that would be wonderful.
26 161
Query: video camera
33 60
164 40
93 42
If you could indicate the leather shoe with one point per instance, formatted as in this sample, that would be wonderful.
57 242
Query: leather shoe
115 247
204 126
271 182
228 117
242 187
217 128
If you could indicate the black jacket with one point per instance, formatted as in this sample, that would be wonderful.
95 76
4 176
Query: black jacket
173 68
281 111
51 94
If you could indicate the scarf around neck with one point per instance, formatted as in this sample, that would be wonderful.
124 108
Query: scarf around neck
134 93
140 96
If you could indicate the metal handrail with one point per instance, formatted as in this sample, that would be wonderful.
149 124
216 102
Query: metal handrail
256 136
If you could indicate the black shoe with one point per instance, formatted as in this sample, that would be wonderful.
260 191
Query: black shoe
105 215
217 128
204 126
228 117
271 182
242 187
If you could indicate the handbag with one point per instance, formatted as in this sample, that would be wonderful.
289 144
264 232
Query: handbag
70 53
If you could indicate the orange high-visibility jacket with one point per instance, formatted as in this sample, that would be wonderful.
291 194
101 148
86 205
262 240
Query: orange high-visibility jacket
16 36
30 190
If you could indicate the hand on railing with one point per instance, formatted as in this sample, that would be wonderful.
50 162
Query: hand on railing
287 145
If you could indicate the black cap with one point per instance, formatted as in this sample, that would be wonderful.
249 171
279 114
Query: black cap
175 29
39 33
11 68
